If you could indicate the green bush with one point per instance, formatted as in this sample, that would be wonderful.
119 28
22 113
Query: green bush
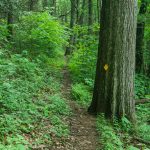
108 137
40 33
3 32
81 93
83 61
143 128
142 86
27 97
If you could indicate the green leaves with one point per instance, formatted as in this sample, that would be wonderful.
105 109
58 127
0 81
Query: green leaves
108 138
43 35
142 86
81 93
29 103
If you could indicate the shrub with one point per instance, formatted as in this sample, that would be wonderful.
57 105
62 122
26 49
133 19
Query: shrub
27 97
83 61
81 93
40 33
142 86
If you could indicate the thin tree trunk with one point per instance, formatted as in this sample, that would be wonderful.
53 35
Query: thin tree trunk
98 10
81 19
114 89
53 5
77 10
10 22
140 39
90 17
72 22
31 5
45 3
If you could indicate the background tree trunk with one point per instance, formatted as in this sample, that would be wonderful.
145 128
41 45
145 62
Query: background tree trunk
140 38
114 89
72 22
90 17
53 5
10 21
45 3
81 18
31 5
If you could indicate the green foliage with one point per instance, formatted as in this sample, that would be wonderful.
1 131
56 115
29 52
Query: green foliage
83 61
15 143
126 124
143 131
132 148
3 32
59 128
58 104
142 86
146 48
81 93
108 137
27 98
143 128
40 33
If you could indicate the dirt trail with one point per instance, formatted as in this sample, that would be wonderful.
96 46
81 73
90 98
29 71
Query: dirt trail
82 125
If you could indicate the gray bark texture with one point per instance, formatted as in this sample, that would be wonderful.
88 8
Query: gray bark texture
114 88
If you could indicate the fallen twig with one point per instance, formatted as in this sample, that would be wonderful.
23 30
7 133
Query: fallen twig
141 140
142 101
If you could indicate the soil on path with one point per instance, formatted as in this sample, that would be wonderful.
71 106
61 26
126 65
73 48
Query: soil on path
83 134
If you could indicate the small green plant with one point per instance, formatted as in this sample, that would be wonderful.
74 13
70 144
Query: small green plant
143 128
59 128
108 137
83 61
81 93
30 101
126 124
142 86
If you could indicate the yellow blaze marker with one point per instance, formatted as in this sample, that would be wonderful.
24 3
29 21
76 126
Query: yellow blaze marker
106 67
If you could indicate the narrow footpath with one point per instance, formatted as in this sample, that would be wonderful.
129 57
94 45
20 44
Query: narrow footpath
83 134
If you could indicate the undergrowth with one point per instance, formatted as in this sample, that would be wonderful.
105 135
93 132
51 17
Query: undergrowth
32 107
81 94
120 135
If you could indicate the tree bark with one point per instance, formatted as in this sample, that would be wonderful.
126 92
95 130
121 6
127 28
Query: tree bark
113 92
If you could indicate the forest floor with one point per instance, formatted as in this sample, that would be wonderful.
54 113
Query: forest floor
83 134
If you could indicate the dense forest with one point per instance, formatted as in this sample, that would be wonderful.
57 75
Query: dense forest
75 74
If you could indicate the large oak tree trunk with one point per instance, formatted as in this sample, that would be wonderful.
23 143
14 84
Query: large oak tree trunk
114 89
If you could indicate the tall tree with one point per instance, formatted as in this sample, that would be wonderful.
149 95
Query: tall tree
114 89
140 37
